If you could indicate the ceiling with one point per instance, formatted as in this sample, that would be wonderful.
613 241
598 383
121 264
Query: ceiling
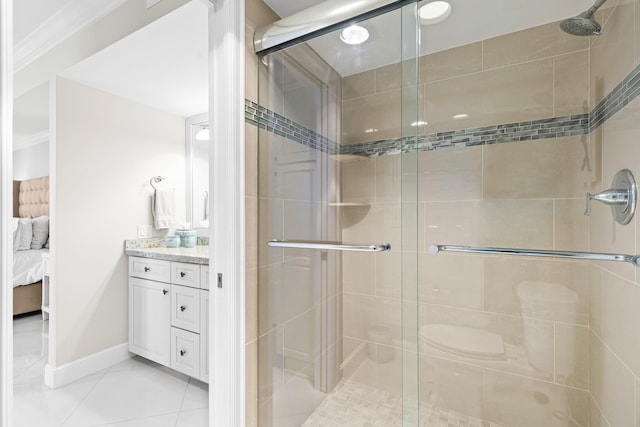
28 15
163 65
480 20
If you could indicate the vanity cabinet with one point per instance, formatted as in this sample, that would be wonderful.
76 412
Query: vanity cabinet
168 314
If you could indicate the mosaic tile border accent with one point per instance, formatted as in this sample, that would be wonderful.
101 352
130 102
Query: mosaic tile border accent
555 127
510 132
271 121
625 92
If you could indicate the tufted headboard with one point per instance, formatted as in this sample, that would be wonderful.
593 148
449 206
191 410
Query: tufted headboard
31 197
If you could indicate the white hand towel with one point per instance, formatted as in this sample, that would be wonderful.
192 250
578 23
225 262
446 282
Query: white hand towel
163 209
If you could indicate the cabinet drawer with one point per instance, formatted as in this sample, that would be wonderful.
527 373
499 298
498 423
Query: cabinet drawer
185 352
150 269
185 308
204 277
185 274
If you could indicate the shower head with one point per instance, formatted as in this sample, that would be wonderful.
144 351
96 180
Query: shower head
583 24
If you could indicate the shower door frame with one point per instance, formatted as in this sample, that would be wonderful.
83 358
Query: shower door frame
410 112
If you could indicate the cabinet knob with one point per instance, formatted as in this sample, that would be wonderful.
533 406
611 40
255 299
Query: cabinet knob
147 269
164 292
182 274
183 307
183 352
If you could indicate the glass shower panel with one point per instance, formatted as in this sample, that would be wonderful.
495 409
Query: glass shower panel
504 162
338 164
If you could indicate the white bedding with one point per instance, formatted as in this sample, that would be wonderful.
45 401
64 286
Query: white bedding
27 266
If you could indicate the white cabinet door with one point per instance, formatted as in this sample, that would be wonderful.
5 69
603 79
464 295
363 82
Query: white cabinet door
185 352
150 320
185 308
204 337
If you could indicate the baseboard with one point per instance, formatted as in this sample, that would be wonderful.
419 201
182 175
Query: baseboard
70 372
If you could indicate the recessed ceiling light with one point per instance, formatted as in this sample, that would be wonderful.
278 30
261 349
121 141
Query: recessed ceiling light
434 12
354 34
371 130
419 123
460 116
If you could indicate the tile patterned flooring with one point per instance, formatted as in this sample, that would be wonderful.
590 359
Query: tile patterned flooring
139 393
353 404
134 393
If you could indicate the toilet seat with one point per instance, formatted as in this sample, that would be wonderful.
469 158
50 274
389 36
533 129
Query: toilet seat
464 341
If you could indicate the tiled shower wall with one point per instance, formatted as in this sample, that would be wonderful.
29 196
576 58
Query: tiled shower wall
615 291
527 194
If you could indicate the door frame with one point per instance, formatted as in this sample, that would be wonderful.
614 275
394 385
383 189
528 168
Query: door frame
226 41
6 211
227 225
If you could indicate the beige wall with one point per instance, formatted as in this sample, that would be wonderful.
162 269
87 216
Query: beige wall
105 150
615 294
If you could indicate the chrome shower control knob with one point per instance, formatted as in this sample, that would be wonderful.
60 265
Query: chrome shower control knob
621 197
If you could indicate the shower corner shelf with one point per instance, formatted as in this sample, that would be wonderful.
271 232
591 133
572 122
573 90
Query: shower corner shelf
347 157
349 204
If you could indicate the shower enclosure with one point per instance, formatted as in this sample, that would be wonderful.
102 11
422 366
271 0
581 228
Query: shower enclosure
438 134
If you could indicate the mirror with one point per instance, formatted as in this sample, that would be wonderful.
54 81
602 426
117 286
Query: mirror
197 179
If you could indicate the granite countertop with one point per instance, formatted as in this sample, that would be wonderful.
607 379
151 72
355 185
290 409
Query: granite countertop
155 248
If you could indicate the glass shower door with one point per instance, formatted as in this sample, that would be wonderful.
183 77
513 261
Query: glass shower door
337 183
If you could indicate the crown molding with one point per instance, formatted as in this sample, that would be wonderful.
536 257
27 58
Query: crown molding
22 143
71 18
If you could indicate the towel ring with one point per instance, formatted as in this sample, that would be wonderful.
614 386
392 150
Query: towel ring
156 179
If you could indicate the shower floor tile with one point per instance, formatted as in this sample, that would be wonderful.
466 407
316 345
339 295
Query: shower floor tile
353 404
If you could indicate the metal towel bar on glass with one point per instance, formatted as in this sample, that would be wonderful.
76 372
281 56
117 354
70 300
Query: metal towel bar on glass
633 259
332 246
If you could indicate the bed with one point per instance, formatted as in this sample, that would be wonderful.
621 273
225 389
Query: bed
31 205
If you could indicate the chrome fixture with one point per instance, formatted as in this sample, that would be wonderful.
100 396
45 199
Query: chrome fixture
331 246
156 180
633 259
584 24
621 197
317 20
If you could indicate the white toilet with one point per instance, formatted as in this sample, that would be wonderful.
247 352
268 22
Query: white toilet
451 390
463 341
547 301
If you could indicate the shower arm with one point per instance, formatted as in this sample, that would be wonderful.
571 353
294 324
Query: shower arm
597 5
